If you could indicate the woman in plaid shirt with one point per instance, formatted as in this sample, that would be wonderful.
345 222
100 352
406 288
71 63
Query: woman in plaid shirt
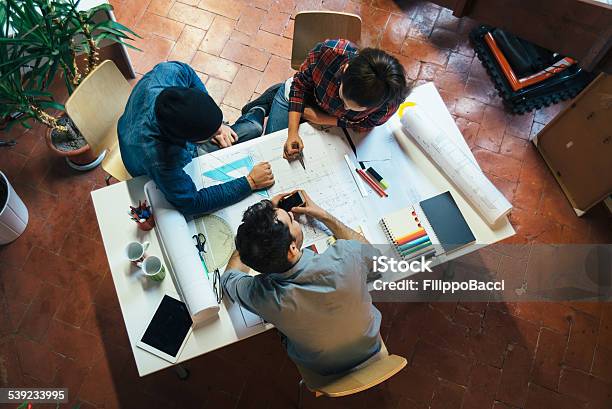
338 85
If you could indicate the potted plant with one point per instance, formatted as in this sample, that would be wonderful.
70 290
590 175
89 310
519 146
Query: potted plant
42 40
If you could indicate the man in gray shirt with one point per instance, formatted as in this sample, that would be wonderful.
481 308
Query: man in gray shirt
319 302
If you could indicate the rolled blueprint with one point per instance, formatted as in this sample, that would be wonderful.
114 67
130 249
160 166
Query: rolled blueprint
459 166
185 265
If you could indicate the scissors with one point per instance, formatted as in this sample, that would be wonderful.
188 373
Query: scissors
200 241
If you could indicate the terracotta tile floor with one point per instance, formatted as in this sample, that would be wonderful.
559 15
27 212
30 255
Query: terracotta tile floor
60 323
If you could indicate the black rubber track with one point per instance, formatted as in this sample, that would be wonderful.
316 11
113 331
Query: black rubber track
526 100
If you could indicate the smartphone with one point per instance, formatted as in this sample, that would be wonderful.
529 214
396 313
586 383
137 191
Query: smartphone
293 200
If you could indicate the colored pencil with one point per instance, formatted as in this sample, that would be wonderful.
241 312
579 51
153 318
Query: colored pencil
376 176
371 182
413 243
378 182
427 252
416 248
410 236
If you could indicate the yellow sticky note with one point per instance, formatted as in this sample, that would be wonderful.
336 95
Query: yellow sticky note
400 111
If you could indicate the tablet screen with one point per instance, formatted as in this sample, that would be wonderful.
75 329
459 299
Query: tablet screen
168 327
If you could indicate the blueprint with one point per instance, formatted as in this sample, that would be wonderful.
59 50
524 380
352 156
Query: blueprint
327 178
233 170
460 167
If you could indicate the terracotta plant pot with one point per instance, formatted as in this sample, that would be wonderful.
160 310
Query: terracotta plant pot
80 159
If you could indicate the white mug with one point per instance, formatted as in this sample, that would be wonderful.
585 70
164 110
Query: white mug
153 267
135 251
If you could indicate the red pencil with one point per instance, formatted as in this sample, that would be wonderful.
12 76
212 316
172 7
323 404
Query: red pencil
372 183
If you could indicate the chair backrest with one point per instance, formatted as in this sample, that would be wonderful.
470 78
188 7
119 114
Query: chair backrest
364 378
113 164
312 27
96 105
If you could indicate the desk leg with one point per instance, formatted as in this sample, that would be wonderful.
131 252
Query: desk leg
181 372
300 393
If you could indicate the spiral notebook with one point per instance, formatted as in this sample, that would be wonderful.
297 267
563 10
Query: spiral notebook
430 227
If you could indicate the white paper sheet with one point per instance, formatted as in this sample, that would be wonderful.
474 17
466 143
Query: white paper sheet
460 167
188 273
327 179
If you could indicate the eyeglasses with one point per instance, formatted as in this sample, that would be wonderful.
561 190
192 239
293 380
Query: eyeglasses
217 285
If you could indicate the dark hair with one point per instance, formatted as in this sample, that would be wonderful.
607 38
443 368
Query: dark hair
262 240
374 77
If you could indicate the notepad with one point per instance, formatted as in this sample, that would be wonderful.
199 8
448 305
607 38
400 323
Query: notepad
407 234
432 226
446 220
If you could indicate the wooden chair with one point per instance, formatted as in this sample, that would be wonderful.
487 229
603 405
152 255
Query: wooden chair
380 368
312 27
95 107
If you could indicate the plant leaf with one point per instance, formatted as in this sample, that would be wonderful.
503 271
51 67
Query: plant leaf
51 104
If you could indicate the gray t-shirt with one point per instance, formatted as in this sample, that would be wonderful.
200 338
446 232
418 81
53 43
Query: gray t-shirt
322 305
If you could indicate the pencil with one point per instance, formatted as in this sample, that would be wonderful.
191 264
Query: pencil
411 236
415 248
413 243
372 183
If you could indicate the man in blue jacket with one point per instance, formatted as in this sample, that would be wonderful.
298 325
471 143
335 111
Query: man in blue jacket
168 114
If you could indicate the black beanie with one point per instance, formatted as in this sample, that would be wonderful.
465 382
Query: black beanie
187 114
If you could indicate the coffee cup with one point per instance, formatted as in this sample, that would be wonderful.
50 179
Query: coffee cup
135 251
153 268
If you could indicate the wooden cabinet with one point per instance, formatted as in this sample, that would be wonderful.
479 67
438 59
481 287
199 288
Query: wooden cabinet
577 145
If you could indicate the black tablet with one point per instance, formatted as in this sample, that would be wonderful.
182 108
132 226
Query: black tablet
168 329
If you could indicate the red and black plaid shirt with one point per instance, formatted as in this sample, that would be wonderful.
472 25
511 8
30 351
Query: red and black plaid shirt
319 79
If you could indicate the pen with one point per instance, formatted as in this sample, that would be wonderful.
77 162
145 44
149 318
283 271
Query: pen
295 145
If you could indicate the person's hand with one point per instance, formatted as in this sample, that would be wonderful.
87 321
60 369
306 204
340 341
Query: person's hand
225 137
261 177
310 208
293 147
280 197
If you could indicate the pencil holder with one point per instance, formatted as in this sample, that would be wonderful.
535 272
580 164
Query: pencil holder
147 225
142 215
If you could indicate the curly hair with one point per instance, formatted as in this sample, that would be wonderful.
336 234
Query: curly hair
262 240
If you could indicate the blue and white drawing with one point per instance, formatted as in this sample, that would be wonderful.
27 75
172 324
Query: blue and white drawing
222 173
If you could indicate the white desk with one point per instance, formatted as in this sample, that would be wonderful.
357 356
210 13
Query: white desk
138 298
413 177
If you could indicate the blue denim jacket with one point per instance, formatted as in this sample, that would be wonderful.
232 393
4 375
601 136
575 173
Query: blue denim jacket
144 153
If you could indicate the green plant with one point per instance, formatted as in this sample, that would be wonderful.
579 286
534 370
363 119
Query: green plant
19 95
41 38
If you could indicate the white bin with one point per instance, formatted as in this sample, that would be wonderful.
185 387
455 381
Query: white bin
13 213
